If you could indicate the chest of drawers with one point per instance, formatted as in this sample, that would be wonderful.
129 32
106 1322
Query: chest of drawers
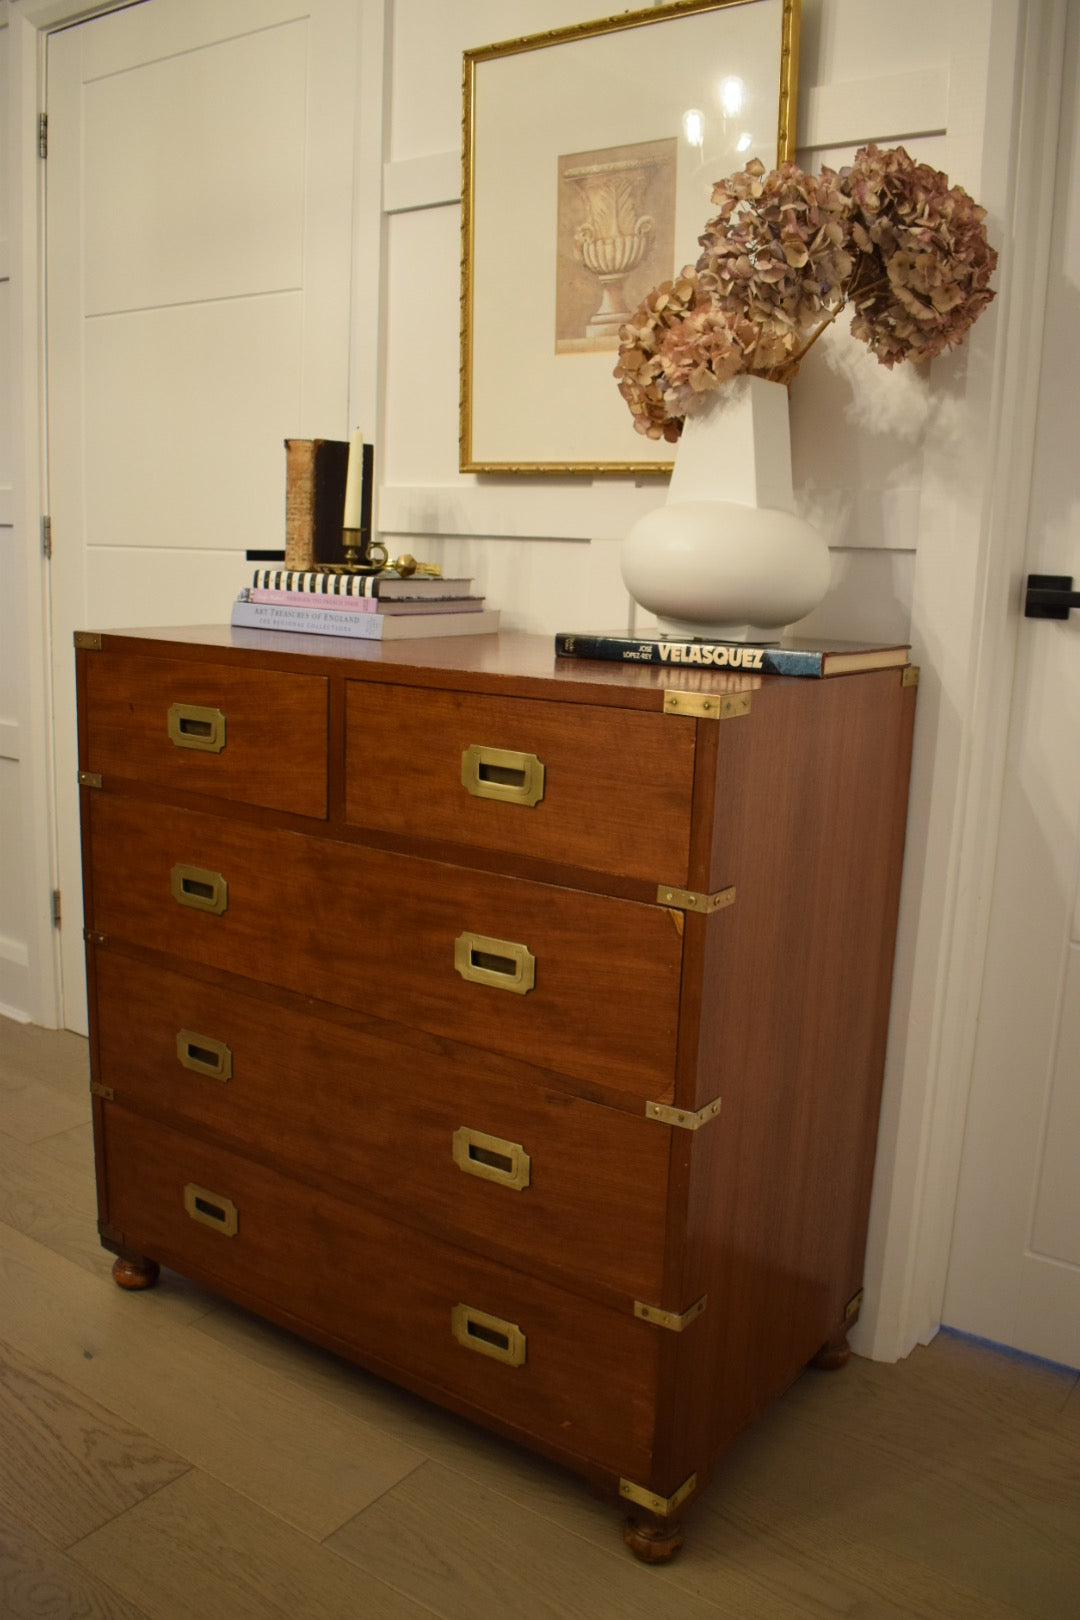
511 1025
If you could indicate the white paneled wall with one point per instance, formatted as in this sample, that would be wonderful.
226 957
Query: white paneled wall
857 432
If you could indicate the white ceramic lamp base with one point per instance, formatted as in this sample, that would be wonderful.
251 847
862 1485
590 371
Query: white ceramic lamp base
726 556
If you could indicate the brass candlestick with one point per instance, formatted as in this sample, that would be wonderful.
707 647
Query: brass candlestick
366 556
362 555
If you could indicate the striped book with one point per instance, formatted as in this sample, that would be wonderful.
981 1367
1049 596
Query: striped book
384 586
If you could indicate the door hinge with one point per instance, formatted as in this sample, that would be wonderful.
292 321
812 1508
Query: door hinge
55 905
46 537
43 135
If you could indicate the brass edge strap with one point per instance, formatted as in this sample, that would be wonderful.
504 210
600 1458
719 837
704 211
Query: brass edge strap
909 675
90 779
707 705
662 1506
853 1307
89 640
93 938
674 1321
682 1117
98 1090
693 900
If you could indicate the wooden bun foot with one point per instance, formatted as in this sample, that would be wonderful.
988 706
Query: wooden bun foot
653 1543
135 1273
834 1354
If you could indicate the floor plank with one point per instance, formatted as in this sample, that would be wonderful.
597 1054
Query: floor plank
73 1147
69 1465
469 1553
39 1583
197 1549
51 1203
991 1508
264 1435
54 1056
37 1110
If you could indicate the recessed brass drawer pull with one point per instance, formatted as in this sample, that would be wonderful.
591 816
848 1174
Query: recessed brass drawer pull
203 1055
498 962
211 1209
488 1335
502 773
191 726
492 1159
202 890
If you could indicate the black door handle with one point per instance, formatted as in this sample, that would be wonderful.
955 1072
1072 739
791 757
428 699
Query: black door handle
1050 596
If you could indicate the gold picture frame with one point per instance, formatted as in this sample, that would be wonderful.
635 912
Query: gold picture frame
588 159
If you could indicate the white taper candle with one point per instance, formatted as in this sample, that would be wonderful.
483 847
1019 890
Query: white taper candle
354 480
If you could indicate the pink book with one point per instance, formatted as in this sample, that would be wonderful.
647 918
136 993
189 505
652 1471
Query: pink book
363 604
350 604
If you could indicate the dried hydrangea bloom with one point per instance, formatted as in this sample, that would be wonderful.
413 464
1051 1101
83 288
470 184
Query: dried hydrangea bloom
925 263
778 253
639 369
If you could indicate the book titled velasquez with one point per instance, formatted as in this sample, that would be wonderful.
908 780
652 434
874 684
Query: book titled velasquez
817 659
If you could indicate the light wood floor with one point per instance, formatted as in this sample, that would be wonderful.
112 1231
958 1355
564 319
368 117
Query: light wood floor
164 1455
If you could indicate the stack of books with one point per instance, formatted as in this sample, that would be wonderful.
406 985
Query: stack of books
367 607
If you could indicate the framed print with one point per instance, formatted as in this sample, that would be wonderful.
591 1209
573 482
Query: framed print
589 157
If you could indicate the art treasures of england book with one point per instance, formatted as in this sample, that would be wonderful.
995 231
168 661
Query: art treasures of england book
362 626
789 657
418 586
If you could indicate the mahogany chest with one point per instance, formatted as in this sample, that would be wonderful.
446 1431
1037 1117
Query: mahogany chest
513 1025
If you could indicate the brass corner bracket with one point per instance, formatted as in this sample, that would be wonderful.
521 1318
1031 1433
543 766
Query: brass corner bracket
694 900
909 675
90 779
674 1321
662 1506
89 640
683 1118
853 1307
707 705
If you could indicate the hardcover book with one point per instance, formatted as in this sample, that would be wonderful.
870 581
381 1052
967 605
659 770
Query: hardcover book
361 626
315 474
789 657
416 586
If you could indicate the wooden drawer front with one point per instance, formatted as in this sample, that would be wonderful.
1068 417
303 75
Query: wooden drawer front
377 931
589 1375
274 728
616 783
328 1101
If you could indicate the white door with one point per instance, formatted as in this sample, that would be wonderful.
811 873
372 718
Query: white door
1014 1269
198 229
